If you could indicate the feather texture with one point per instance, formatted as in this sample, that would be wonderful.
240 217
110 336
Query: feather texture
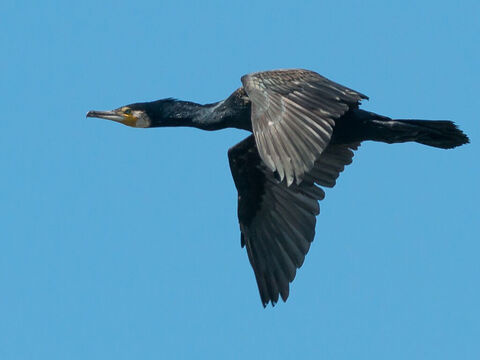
293 115
277 221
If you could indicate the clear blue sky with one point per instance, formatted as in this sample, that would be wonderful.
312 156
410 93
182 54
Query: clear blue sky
120 243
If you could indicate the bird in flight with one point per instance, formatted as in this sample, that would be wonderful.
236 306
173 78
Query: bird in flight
305 130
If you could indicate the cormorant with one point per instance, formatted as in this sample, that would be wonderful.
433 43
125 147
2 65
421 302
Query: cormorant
305 129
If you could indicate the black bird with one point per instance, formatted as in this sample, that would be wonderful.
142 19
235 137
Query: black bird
305 129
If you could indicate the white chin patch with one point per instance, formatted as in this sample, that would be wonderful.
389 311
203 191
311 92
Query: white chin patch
142 120
141 123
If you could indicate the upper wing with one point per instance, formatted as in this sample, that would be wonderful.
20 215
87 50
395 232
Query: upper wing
277 221
293 114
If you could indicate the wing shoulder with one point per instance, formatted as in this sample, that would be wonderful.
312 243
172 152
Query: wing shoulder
293 114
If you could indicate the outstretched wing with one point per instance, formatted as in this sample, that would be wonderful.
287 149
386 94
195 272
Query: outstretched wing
293 115
277 222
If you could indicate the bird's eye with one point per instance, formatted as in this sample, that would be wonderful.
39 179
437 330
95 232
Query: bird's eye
127 111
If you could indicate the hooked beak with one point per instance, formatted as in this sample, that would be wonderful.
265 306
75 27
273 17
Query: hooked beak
109 115
114 115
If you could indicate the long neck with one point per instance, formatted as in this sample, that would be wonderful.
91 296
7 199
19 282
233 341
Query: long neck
220 115
184 113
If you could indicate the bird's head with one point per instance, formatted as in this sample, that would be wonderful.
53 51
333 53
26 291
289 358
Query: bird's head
164 112
134 115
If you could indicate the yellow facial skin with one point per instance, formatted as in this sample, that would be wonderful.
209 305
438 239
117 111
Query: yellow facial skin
128 118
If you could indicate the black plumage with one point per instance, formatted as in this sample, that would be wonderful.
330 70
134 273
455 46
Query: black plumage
305 129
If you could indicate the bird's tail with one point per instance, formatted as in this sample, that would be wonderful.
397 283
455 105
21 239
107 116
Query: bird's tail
437 133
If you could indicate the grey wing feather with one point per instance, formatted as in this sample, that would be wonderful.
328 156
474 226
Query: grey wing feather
277 221
293 115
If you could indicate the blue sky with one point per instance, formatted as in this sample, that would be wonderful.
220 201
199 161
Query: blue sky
120 243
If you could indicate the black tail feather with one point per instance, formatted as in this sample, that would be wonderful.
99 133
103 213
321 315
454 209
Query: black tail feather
437 133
